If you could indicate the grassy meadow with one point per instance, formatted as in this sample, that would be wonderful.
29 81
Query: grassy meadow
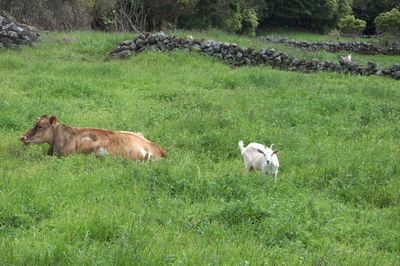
336 201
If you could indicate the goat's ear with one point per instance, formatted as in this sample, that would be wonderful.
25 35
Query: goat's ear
53 120
275 152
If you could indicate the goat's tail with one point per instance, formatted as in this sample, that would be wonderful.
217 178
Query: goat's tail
241 146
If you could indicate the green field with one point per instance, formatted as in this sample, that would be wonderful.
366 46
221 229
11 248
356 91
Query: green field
336 201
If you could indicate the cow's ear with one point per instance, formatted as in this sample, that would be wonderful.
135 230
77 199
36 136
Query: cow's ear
53 120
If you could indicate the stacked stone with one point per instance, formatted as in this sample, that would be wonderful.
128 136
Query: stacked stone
393 71
357 47
235 55
13 34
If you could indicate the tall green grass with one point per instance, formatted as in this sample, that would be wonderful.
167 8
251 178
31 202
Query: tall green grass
336 200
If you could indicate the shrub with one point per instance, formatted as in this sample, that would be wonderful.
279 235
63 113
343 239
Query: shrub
350 25
388 23
250 22
102 14
233 22
241 20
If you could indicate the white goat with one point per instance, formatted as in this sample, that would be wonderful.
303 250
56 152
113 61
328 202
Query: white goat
260 157
346 59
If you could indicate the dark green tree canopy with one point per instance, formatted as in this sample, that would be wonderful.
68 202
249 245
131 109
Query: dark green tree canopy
241 16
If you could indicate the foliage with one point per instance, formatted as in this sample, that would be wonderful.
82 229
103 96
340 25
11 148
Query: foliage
319 15
389 23
250 22
336 201
50 15
245 21
233 22
368 10
233 16
102 14
151 15
241 16
350 25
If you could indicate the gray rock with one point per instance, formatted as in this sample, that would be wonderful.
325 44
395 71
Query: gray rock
396 74
122 54
276 54
359 47
339 68
196 47
236 55
12 34
218 55
395 67
70 40
277 60
11 27
160 34
132 46
203 44
139 43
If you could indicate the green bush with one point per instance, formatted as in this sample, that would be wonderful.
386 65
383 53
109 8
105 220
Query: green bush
350 25
388 23
233 23
250 22
241 20
102 13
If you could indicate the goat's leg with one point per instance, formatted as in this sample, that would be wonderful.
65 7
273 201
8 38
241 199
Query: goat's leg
248 169
275 174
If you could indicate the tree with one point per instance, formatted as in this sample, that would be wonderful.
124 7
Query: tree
350 25
240 16
151 15
368 10
318 15
388 23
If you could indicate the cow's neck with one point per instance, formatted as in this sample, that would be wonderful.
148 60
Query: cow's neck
62 135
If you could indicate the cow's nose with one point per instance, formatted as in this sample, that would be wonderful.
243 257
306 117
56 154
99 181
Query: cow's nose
23 138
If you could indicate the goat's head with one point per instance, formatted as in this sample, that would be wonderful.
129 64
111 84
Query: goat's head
268 153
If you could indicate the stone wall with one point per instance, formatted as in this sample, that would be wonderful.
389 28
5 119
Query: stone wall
13 34
357 47
235 55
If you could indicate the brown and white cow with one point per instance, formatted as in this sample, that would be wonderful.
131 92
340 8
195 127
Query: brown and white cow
65 140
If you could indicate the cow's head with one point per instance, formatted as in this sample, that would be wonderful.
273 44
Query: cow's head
41 131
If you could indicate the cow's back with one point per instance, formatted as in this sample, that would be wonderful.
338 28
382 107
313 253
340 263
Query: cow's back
130 145
142 148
